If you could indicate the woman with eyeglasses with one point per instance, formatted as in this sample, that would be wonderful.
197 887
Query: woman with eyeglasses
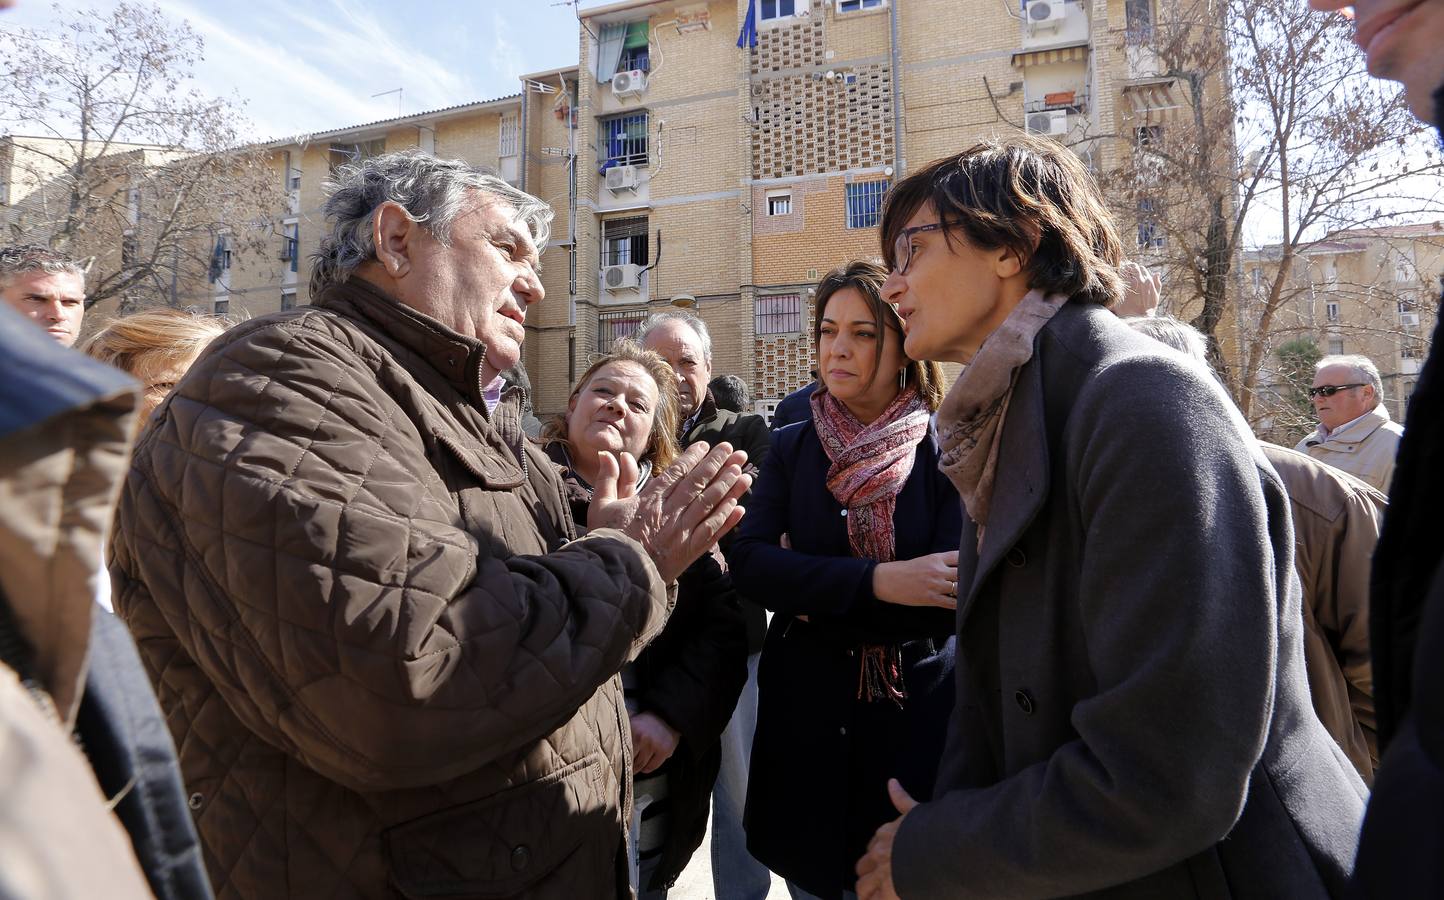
1133 717
850 539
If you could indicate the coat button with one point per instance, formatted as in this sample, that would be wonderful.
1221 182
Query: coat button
1017 558
1024 701
520 858
195 801
842 731
844 514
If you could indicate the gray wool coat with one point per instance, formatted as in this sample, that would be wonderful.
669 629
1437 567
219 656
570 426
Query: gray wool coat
1133 716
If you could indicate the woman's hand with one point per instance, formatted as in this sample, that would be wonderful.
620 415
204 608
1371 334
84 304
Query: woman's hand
653 742
930 580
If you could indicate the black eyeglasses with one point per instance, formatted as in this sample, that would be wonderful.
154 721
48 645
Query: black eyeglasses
902 248
1329 390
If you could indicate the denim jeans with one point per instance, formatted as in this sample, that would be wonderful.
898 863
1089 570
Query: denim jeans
735 874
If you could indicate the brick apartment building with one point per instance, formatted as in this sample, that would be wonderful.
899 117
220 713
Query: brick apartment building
689 171
1368 291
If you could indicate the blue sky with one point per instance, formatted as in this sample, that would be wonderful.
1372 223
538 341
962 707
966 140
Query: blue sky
312 66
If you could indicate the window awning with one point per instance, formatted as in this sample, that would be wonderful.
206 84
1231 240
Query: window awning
1074 53
1155 99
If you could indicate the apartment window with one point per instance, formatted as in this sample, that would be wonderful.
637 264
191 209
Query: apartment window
129 249
624 140
1411 351
1146 136
777 9
864 203
506 143
1256 274
779 314
1150 232
288 300
625 241
1331 311
4 193
623 47
221 306
1336 346
779 203
847 6
614 326
1138 19
1403 270
355 152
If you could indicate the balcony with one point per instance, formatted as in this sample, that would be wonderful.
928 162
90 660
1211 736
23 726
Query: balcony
1073 101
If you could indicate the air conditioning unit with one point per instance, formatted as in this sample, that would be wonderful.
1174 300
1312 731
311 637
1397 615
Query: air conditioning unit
1045 15
1052 121
626 277
629 84
622 178
1409 319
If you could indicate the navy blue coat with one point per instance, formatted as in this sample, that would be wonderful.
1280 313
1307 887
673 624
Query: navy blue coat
817 789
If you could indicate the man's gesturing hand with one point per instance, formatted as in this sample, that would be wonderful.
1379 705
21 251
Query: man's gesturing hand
681 512
874 870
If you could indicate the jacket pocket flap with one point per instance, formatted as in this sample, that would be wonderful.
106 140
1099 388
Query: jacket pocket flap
500 845
482 463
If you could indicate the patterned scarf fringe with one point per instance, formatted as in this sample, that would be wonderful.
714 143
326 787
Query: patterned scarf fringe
880 675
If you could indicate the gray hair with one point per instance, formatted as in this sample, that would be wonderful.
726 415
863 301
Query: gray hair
18 259
1181 336
1363 367
432 191
692 320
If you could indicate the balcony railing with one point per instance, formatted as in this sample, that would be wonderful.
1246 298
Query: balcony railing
1073 101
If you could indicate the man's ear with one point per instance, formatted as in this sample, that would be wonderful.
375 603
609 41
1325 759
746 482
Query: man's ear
394 234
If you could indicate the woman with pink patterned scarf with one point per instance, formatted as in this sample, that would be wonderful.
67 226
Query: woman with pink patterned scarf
851 540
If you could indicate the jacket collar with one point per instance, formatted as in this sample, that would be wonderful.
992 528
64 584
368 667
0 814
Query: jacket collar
457 357
1353 432
706 412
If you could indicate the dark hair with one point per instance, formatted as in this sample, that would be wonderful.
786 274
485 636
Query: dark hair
1030 195
867 278
731 393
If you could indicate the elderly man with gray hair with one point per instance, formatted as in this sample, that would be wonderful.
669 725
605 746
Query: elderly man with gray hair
1355 432
389 663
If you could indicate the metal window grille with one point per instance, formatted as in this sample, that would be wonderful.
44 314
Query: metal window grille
1336 346
613 326
780 205
288 300
864 203
1138 21
779 314
637 58
506 144
776 9
625 140
625 241
1331 310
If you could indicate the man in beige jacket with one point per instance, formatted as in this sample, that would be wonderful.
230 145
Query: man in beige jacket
1355 432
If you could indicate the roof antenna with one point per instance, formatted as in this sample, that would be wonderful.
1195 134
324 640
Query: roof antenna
397 92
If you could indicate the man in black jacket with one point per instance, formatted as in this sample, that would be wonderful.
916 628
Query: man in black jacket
1404 826
684 341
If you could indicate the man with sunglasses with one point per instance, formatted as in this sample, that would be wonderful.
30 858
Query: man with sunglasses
1355 433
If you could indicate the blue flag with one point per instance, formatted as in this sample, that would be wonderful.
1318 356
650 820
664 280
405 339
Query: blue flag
747 37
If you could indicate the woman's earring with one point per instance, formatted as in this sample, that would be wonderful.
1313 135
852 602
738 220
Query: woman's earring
902 378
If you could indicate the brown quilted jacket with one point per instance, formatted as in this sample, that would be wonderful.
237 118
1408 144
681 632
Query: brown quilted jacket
388 669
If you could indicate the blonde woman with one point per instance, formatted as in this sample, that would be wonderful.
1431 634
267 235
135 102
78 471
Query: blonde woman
156 347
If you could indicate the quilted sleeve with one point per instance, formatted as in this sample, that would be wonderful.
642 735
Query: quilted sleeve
283 518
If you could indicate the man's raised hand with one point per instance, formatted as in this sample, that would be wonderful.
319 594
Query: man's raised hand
682 511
